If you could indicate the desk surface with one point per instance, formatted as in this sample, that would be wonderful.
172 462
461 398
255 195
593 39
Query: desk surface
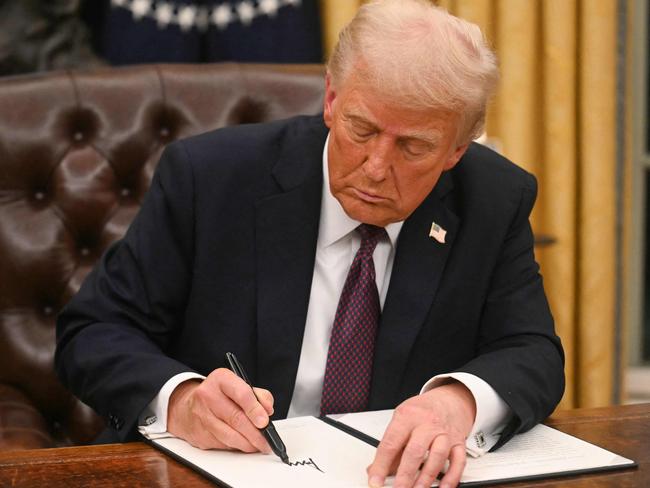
624 430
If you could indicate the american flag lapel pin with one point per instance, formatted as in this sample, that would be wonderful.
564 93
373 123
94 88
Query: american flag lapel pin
438 233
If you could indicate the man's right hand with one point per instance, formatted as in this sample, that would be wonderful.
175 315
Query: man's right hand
220 412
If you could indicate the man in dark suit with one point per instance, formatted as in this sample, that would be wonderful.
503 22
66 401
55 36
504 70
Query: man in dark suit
245 238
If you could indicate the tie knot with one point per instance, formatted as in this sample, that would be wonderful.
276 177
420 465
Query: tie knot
370 235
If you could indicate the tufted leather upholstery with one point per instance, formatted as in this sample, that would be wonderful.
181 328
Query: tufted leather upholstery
77 151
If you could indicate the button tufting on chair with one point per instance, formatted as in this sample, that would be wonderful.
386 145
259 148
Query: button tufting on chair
77 152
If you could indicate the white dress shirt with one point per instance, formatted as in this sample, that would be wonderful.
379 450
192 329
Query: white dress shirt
335 250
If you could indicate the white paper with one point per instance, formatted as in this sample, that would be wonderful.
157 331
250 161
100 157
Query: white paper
372 423
328 457
341 458
541 450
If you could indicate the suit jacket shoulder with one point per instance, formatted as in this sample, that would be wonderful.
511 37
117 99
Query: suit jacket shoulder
248 152
491 185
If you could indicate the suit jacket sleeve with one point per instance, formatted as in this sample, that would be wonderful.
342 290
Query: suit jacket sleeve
519 354
111 336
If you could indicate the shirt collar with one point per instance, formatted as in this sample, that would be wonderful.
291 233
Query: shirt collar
334 222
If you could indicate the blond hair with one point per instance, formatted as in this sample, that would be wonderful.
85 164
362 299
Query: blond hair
420 57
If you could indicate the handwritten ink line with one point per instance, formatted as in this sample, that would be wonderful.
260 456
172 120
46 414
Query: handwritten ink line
310 462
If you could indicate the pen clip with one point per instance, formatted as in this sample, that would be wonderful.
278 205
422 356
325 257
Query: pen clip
237 368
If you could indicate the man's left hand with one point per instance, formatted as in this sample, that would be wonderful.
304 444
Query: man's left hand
425 432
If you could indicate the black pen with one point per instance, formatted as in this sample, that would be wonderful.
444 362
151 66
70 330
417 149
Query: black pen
269 432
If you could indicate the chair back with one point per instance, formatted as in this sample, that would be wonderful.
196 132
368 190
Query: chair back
77 153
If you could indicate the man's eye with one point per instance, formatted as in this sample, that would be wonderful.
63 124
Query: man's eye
362 133
415 151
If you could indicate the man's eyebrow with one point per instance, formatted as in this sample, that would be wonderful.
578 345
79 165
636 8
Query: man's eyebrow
415 136
431 138
426 138
356 117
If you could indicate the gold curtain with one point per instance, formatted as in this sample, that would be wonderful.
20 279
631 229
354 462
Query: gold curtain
335 14
554 114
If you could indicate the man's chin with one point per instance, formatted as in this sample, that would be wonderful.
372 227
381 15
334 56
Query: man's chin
368 214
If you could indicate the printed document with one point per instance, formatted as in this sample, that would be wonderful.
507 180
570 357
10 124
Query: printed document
323 455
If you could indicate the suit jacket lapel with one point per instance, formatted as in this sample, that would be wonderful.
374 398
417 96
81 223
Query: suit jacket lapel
417 269
286 236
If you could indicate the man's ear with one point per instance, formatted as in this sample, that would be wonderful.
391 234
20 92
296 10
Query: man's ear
455 157
330 95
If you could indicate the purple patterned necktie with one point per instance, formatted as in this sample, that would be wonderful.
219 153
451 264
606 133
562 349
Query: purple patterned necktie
346 386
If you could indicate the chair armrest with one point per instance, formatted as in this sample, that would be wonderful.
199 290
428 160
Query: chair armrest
21 424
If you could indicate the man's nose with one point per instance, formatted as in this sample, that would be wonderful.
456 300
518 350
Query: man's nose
378 161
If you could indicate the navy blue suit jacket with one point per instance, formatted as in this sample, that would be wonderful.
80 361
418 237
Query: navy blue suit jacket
220 258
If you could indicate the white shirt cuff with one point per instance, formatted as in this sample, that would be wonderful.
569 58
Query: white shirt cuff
492 413
152 423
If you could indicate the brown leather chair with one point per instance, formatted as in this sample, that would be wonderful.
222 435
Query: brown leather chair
77 151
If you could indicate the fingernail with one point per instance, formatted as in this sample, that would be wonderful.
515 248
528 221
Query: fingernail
444 485
376 482
260 421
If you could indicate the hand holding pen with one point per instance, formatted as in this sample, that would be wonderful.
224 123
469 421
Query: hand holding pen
220 412
269 432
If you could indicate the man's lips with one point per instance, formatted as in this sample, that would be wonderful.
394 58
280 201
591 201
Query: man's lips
368 197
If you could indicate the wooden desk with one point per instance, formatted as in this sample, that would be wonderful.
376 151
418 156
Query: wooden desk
624 430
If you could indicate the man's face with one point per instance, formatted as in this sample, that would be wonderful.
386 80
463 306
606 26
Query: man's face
384 160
